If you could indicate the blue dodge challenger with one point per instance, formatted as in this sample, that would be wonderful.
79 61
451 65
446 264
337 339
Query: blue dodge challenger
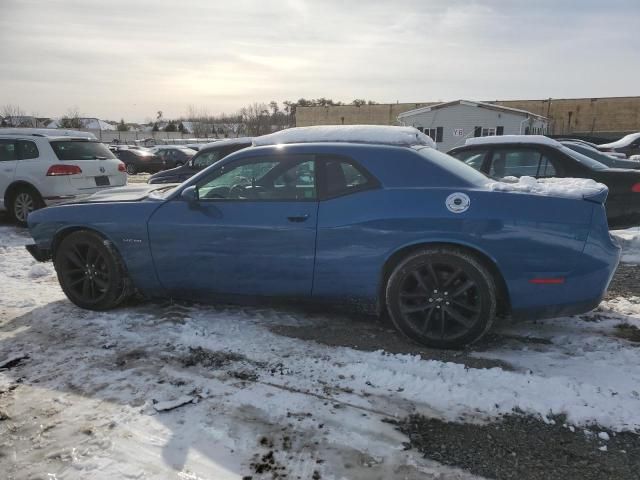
395 228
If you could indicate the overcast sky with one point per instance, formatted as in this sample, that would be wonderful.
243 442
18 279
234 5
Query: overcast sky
130 58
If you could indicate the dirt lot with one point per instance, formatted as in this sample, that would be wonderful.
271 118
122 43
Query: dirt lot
164 390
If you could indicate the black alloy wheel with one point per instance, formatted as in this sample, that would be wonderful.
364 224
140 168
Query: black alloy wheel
443 298
90 273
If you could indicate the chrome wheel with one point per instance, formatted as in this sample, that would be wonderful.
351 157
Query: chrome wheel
131 169
23 205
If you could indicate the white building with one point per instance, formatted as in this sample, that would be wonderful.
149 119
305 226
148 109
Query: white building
451 123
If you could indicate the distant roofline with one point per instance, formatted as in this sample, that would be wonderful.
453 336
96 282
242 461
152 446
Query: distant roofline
471 103
428 103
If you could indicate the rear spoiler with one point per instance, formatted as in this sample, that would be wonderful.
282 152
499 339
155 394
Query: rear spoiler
599 196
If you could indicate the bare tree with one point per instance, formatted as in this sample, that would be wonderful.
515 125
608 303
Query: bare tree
72 119
200 121
13 115
256 119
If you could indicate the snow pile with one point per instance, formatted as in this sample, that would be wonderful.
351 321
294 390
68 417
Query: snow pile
377 134
635 158
227 142
555 187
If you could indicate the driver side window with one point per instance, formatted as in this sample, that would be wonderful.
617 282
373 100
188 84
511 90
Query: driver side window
266 178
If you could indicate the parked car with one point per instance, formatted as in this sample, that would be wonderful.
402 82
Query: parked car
602 157
538 156
38 170
595 146
208 155
400 228
140 161
629 145
173 155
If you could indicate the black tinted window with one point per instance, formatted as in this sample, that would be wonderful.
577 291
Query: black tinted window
27 150
8 150
342 176
80 150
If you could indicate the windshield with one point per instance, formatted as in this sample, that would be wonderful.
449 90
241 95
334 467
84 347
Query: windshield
80 150
455 166
583 159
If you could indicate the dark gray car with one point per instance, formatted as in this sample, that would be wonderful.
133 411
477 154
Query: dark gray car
208 155
601 157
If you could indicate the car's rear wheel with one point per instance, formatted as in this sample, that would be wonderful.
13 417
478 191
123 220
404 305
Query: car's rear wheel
131 169
90 271
441 297
24 201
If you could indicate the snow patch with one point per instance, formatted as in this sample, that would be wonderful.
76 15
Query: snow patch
556 187
538 139
623 142
629 240
39 270
375 134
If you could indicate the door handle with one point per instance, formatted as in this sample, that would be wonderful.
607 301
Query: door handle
299 218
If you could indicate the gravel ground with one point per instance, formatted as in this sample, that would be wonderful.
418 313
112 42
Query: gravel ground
524 448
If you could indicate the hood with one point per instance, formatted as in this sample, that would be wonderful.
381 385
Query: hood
129 193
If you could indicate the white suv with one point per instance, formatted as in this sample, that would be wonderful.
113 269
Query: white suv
39 169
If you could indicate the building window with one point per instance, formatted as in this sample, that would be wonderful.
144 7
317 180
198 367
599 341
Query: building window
488 132
434 133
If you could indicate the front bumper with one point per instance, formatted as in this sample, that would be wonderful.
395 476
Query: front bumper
40 254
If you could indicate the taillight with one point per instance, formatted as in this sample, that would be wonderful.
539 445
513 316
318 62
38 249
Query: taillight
636 188
60 169
122 167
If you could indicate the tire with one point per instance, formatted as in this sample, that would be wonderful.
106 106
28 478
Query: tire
441 297
90 271
131 169
24 201
178 164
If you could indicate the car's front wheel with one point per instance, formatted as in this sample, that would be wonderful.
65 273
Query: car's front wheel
441 297
24 201
131 169
90 271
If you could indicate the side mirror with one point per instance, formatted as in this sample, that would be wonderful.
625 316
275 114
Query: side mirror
190 194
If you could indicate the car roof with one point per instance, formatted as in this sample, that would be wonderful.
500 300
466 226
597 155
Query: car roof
46 132
364 134
247 141
500 139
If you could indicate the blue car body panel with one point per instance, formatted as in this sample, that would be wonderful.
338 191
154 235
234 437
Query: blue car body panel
343 248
